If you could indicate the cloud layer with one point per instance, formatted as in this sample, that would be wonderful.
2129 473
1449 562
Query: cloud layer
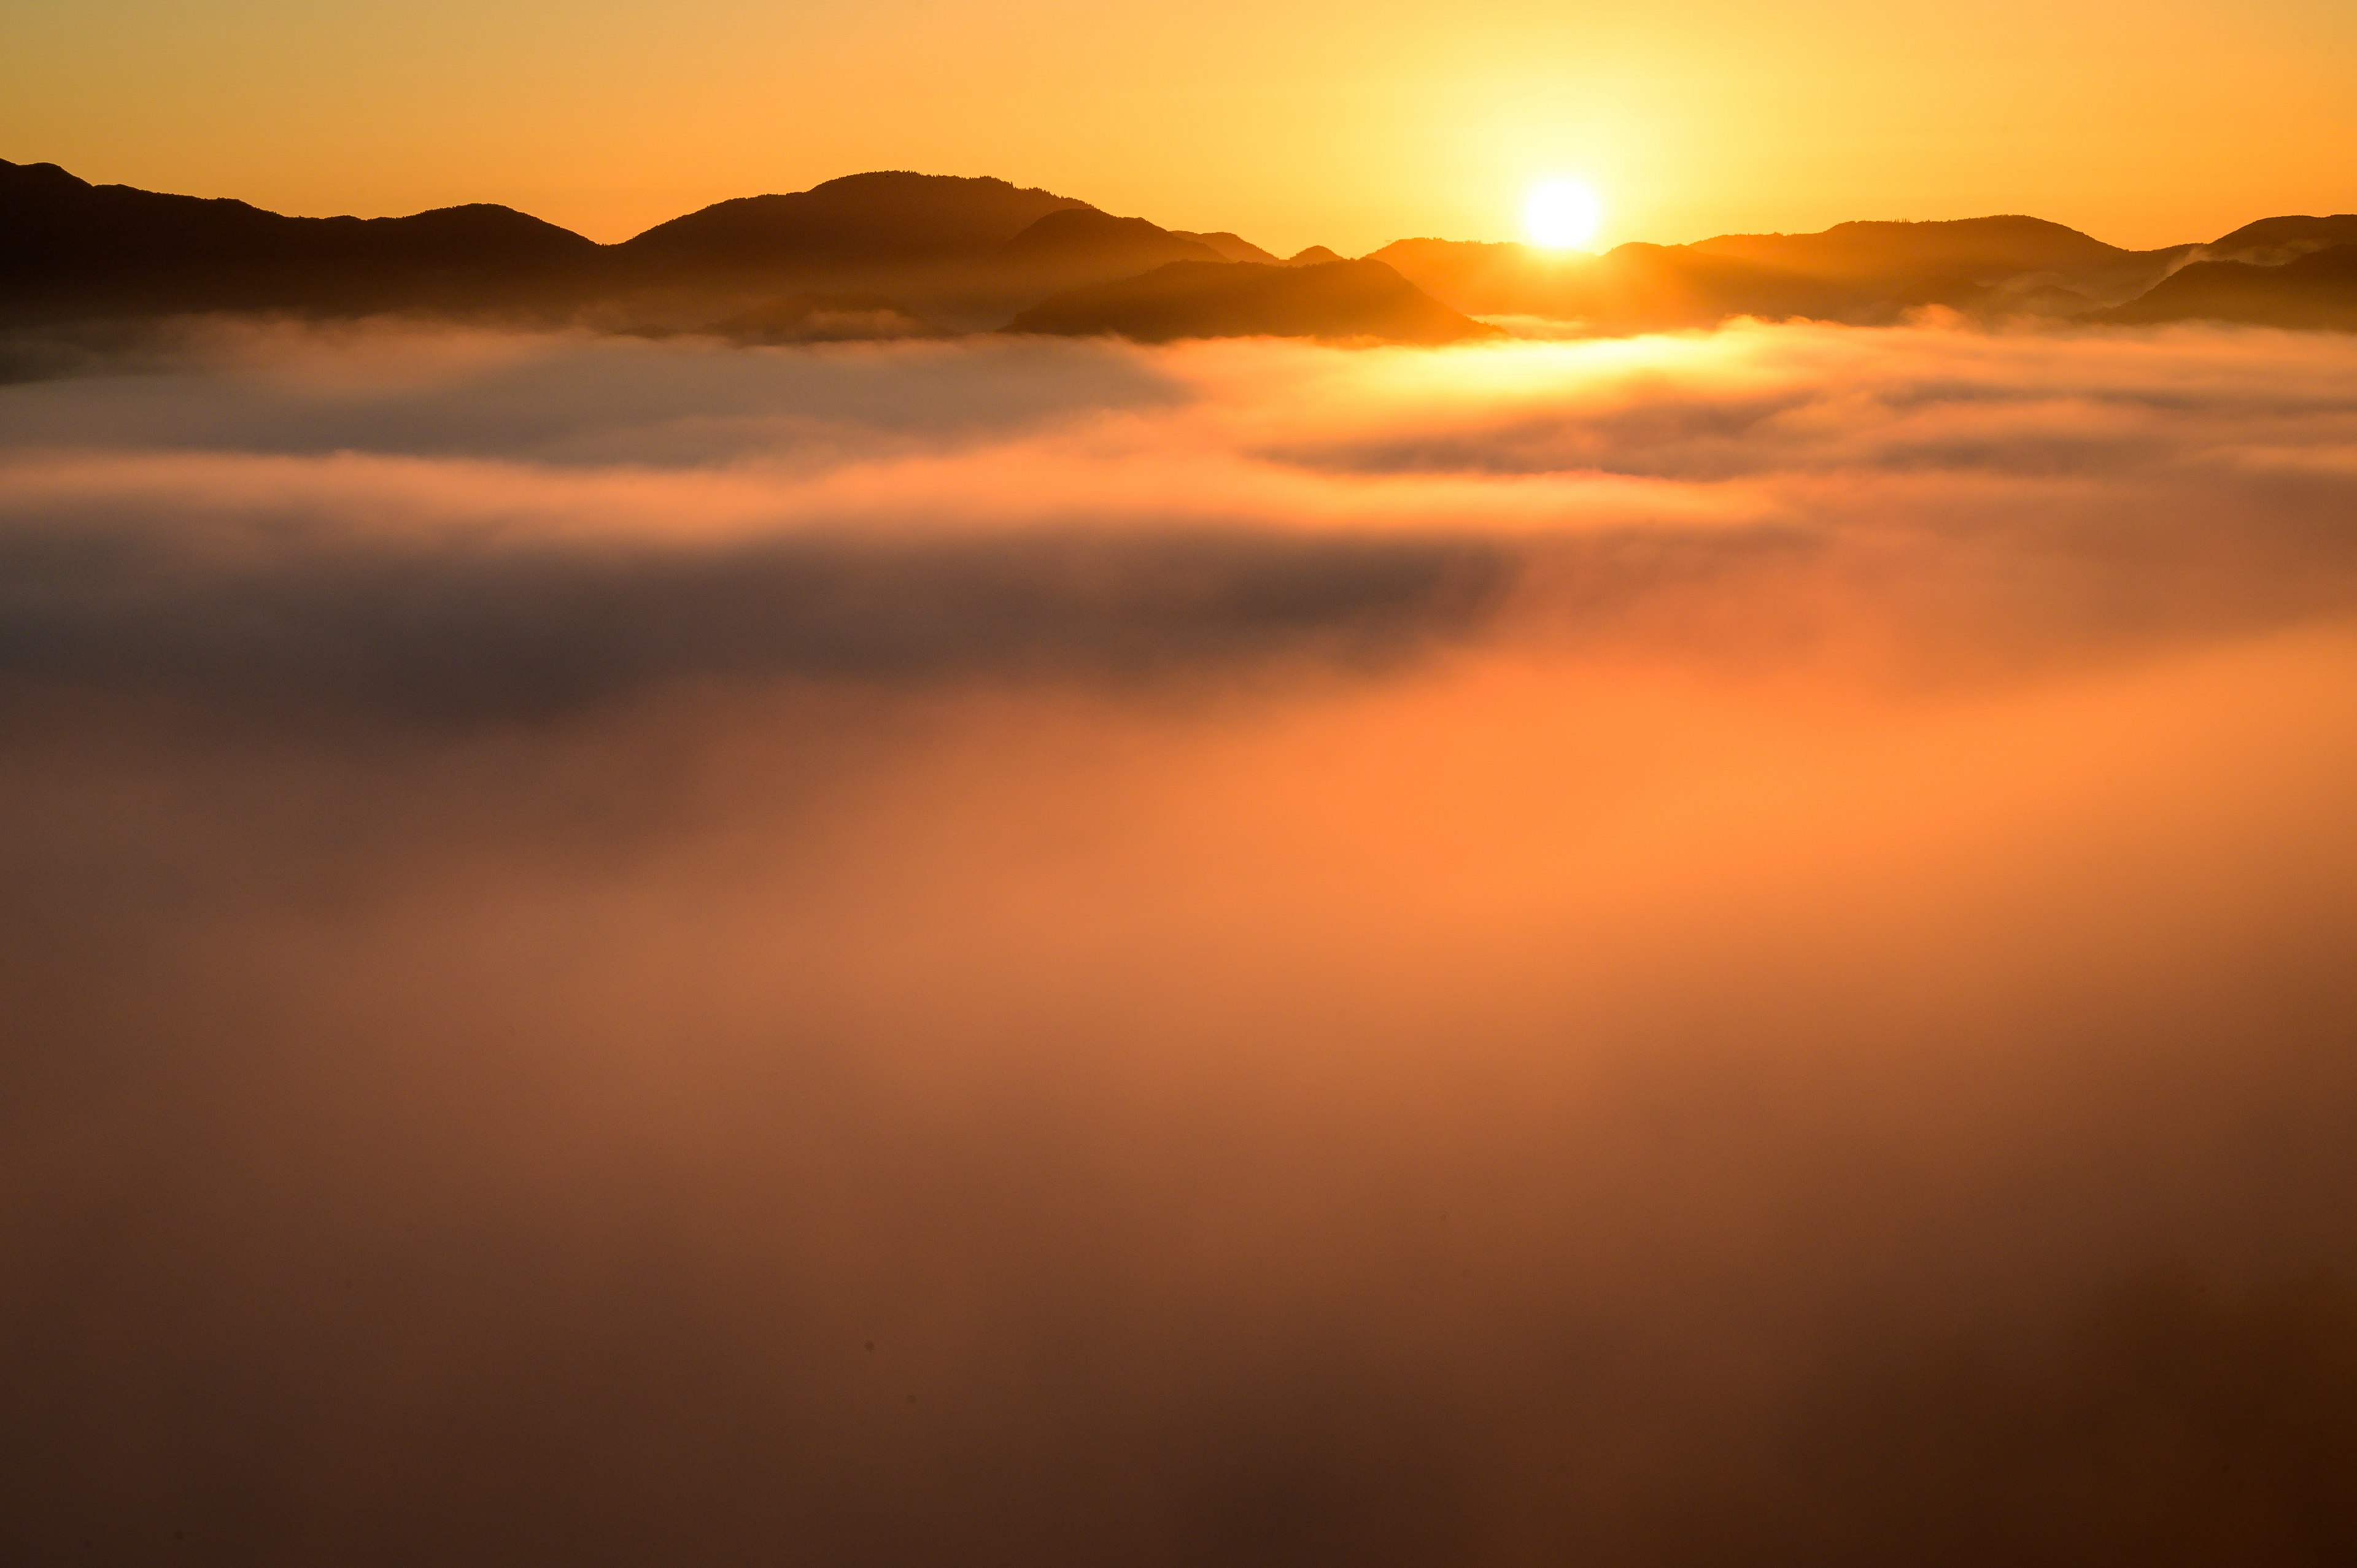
1726 948
557 520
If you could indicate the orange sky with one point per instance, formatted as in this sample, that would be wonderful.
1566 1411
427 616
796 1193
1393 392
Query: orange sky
1314 121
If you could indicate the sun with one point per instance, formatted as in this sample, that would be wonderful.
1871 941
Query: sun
1560 214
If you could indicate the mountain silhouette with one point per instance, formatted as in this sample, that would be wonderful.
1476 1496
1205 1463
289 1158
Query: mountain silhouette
2271 242
1983 264
861 220
965 252
895 254
1888 256
931 241
66 244
1239 299
2317 289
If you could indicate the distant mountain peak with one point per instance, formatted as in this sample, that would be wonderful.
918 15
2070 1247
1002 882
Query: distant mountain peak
884 214
30 175
2274 240
1997 222
904 178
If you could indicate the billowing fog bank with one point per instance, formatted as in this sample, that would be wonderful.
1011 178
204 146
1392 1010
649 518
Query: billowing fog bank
1725 949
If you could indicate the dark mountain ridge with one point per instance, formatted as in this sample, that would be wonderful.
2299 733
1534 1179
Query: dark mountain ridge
892 215
2315 290
2271 242
1882 252
65 242
1968 263
68 247
916 249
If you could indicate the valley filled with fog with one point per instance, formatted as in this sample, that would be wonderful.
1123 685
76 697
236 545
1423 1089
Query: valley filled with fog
1718 948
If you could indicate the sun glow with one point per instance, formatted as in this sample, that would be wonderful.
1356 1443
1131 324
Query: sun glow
1560 214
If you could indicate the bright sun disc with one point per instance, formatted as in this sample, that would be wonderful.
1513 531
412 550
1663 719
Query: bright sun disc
1560 214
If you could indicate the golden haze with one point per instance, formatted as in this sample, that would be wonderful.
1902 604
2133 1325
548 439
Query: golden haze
1345 126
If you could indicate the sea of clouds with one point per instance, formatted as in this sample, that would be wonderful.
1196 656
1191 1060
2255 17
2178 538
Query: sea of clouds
1721 949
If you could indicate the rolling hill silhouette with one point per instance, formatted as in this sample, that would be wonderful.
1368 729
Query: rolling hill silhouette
1889 257
1968 263
1241 299
914 248
2317 289
2271 242
918 250
933 242
66 244
893 218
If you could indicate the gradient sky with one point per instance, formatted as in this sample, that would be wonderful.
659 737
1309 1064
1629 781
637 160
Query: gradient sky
1314 121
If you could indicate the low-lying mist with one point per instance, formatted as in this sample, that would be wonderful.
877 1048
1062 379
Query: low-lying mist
1714 949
